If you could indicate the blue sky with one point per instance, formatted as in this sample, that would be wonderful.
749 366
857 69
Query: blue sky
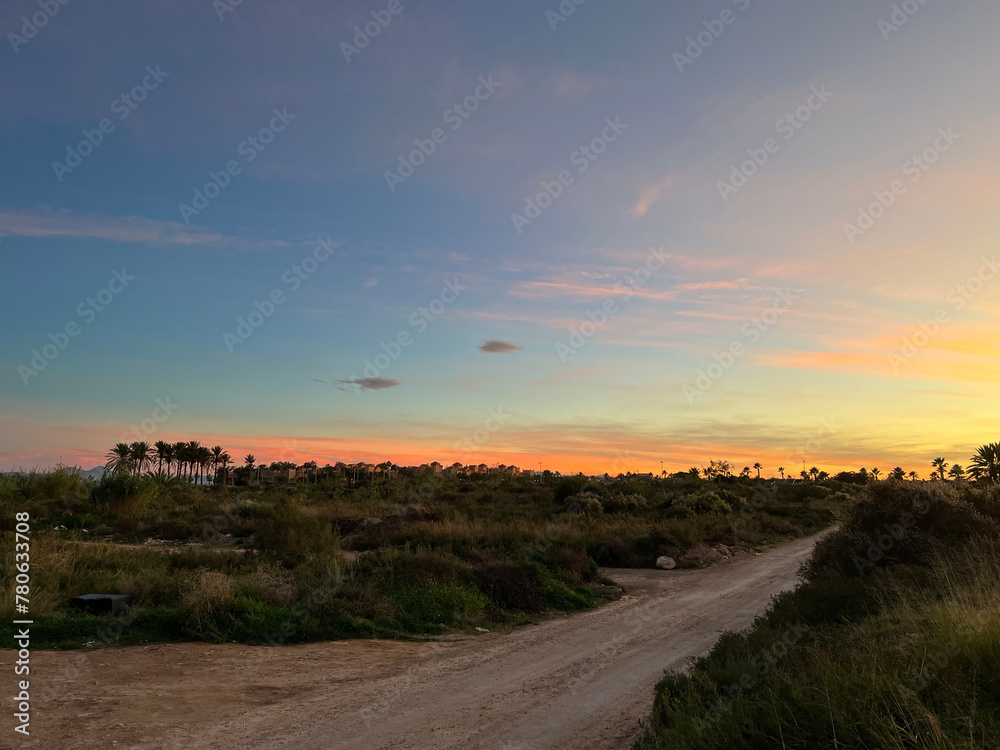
655 186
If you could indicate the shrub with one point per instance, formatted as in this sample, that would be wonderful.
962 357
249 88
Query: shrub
617 502
125 495
206 591
511 586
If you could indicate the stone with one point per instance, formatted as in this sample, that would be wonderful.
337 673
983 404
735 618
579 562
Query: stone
665 563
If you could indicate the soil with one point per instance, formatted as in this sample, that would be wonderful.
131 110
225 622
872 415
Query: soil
577 681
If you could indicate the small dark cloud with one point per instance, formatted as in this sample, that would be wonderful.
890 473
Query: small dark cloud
370 384
495 346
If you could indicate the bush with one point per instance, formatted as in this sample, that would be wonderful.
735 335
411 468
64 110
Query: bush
511 586
125 495
900 656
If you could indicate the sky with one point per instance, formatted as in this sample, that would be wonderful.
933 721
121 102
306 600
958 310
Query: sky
598 240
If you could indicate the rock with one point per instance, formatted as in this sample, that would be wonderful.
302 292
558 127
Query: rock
482 630
665 563
367 523
67 513
612 592
723 550
102 531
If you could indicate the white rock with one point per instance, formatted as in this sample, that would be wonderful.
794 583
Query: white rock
666 563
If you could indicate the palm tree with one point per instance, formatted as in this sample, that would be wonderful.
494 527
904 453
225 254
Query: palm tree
141 456
781 470
957 472
898 474
804 474
180 456
913 476
249 461
986 463
161 452
120 459
940 465
204 461
216 457
224 460
875 473
814 473
758 467
193 453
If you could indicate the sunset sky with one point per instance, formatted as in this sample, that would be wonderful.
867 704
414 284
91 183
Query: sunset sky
644 135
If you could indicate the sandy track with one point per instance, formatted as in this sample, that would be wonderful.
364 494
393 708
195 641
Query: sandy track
581 681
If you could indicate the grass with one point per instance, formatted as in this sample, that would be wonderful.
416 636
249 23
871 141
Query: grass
891 643
268 564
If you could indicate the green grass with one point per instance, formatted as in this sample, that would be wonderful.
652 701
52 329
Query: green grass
266 564
892 642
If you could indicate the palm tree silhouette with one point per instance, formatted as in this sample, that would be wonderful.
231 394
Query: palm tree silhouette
216 457
224 460
119 459
204 461
986 463
180 457
194 457
875 473
940 465
758 467
957 472
781 470
141 456
814 472
161 452
913 476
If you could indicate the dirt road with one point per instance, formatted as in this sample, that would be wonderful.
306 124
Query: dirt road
583 681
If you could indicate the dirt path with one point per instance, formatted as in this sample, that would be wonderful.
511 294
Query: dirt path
583 682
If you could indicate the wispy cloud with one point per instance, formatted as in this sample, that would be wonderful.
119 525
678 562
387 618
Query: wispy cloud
364 384
65 224
649 196
495 346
